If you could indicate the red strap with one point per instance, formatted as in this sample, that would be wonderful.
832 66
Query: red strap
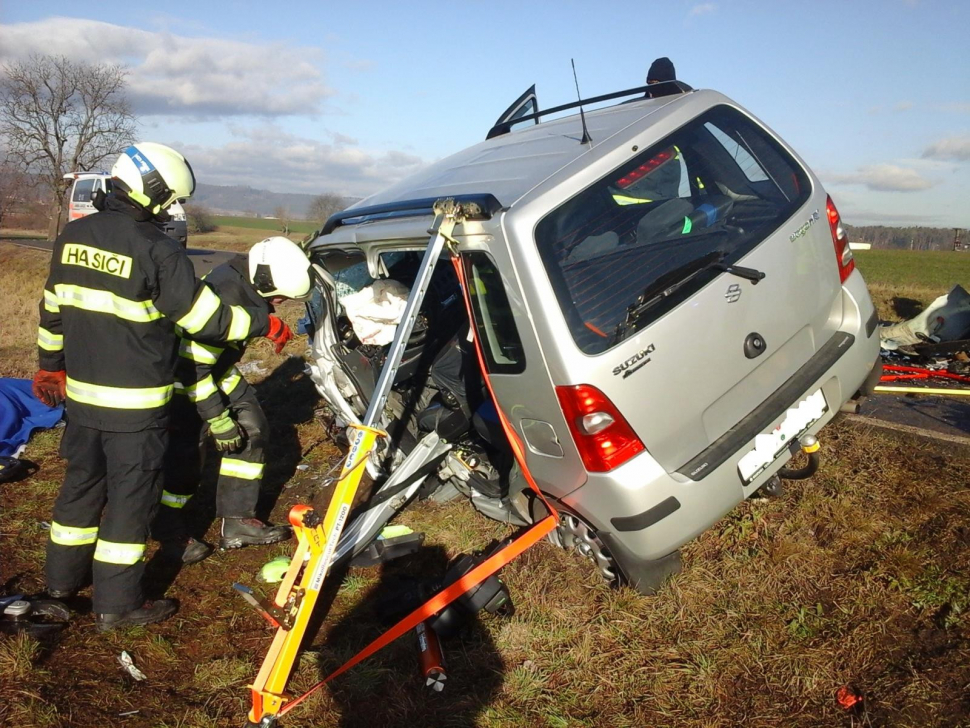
480 573
439 601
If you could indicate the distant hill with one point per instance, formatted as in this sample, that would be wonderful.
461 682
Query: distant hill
240 200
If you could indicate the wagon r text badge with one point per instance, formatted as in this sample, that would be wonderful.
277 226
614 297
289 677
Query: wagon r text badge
634 362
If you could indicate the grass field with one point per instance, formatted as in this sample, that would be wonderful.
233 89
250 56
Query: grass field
859 576
898 279
260 223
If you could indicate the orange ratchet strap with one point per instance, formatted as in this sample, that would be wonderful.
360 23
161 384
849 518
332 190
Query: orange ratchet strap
480 573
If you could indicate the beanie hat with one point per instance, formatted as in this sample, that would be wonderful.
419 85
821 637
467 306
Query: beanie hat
661 70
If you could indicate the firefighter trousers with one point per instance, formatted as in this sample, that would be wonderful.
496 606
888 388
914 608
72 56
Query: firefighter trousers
240 473
102 513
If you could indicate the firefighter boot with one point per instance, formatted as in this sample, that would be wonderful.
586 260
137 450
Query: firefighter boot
187 550
239 532
149 613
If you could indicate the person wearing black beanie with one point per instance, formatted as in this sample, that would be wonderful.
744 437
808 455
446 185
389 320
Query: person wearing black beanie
661 70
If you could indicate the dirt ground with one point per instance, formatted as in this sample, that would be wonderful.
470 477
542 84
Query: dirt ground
857 577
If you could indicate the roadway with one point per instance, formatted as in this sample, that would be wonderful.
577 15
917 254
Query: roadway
203 260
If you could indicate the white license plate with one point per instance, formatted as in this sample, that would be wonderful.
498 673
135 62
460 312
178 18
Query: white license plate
769 445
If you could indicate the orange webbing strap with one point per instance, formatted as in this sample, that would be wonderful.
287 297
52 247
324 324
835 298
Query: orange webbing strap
480 573
439 601
510 433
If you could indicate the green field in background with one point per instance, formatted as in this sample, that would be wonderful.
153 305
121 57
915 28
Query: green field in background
261 223
931 269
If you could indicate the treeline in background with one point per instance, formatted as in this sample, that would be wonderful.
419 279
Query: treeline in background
908 238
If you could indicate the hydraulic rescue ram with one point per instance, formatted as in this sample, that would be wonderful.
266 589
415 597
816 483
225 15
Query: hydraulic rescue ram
318 537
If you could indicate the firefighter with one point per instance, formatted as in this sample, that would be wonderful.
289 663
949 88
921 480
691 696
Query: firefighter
217 399
117 290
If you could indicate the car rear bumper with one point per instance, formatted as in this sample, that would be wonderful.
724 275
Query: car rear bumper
647 512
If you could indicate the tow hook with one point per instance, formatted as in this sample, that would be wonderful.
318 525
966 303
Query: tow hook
809 445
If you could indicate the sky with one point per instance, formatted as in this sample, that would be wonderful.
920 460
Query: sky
314 96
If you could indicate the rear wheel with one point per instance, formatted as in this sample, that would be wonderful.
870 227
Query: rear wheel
574 534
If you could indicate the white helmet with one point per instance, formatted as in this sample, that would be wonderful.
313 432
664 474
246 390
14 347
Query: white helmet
153 175
279 267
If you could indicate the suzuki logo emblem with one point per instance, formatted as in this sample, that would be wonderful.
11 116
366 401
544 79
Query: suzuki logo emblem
733 293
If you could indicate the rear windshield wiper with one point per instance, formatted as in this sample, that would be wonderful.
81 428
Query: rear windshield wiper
750 274
671 282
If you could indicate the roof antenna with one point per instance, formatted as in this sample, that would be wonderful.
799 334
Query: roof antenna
587 139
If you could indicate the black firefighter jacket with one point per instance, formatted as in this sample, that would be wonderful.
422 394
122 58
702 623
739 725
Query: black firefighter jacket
118 293
207 373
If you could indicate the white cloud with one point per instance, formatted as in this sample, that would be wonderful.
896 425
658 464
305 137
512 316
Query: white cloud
702 9
268 158
951 149
176 74
903 106
956 107
885 178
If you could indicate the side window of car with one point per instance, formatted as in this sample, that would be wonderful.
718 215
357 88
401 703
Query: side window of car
494 320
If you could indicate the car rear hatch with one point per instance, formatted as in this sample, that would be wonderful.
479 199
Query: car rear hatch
701 275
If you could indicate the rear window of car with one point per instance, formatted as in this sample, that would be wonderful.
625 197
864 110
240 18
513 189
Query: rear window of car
708 193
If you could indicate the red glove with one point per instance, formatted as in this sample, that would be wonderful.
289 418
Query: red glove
50 387
279 332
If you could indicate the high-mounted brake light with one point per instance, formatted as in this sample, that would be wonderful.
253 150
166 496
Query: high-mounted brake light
646 168
603 437
843 253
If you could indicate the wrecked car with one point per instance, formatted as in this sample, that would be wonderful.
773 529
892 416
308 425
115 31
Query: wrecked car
666 303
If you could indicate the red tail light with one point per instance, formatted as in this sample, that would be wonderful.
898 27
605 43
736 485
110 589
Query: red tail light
843 253
603 437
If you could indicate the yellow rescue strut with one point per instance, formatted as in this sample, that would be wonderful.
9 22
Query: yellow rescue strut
317 538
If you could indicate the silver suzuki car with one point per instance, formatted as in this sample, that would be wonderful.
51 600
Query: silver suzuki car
667 306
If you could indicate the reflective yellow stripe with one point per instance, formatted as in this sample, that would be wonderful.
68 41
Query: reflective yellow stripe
174 500
241 321
72 536
200 353
125 554
50 302
92 299
203 388
230 380
47 340
202 310
241 469
626 200
118 397
178 388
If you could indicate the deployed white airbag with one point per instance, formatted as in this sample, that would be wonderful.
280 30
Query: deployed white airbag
376 310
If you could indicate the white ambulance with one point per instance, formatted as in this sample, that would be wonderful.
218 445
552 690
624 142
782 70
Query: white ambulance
87 184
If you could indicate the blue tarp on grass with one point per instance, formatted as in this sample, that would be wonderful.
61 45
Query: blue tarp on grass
21 413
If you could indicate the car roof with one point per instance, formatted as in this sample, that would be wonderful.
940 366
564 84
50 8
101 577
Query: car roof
509 165
85 175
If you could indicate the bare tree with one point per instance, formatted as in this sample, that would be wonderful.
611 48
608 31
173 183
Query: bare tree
199 218
58 116
325 205
282 213
14 185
